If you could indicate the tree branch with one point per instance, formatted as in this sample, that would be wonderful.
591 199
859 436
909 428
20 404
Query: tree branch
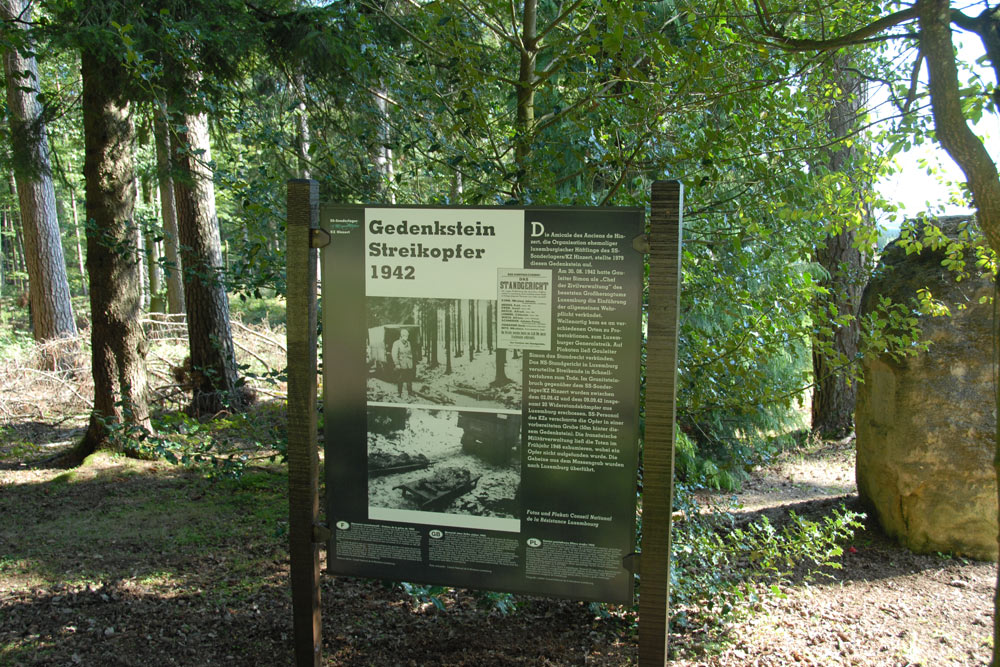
871 32
951 127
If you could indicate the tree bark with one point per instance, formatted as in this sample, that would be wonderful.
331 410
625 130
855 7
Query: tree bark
459 337
118 341
383 153
168 214
213 375
447 337
965 148
950 125
302 121
834 392
48 285
526 83
155 274
471 332
76 237
17 239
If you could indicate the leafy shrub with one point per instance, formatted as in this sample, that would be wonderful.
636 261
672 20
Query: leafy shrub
717 565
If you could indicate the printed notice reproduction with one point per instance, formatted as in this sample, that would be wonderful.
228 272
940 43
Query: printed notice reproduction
524 309
481 385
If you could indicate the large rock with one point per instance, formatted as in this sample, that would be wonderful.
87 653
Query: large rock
926 426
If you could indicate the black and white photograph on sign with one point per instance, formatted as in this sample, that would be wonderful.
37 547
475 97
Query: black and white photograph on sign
423 463
440 352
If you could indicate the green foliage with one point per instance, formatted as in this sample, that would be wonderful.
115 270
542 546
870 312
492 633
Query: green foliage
719 568
892 329
968 245
423 594
266 308
420 594
223 447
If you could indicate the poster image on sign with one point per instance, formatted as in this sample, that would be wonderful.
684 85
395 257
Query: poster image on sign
439 352
444 467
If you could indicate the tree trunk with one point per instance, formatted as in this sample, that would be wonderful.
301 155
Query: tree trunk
526 83
447 337
489 327
969 153
119 343
459 337
500 377
214 380
302 121
76 238
154 255
834 391
48 285
142 257
155 275
168 215
17 239
77 244
471 332
383 153
456 189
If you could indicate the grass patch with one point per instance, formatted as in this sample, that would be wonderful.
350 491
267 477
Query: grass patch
269 310
159 526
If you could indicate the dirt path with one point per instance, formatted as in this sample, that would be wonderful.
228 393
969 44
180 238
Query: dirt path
885 607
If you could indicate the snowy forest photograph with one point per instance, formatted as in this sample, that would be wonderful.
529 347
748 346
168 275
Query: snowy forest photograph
452 344
444 461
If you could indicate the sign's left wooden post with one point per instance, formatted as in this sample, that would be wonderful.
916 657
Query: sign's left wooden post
303 456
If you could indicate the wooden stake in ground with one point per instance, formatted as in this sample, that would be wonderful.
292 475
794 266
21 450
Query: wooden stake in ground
661 390
303 457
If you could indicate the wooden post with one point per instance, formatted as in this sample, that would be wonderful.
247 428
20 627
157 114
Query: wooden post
303 458
661 390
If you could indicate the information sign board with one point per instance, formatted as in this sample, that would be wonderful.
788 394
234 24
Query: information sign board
481 385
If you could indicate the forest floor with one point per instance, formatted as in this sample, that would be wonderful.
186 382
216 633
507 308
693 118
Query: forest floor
126 562
885 606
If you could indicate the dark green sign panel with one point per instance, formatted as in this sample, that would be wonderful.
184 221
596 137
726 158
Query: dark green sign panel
481 380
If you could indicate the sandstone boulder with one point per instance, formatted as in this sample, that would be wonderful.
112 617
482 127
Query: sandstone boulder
926 426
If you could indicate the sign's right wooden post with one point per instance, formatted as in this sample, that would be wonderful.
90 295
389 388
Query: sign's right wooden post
658 450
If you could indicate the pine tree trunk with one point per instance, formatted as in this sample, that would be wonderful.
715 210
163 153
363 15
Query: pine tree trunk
142 257
489 327
76 239
118 341
447 338
77 244
20 265
168 215
383 153
214 380
459 338
48 285
834 393
155 280
471 332
302 122
435 336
